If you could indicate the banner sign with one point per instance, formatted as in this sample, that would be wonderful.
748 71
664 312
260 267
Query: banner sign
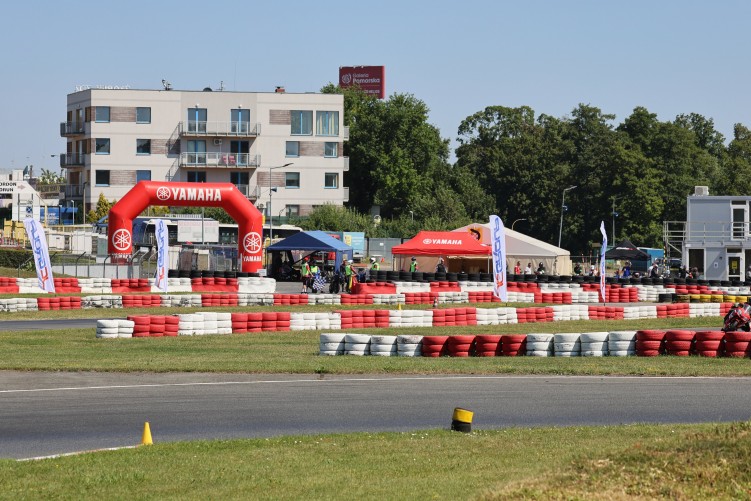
162 247
602 259
42 262
498 241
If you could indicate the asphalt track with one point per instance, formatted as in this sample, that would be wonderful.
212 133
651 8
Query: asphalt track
51 413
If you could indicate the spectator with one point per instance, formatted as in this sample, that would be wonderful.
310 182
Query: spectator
440 267
627 270
348 274
653 272
578 269
592 271
541 269
306 275
518 268
528 269
683 272
413 265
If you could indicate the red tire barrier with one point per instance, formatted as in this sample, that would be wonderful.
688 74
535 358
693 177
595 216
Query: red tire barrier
433 346
487 345
459 346
650 335
513 345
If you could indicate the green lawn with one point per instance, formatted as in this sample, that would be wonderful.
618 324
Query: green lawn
297 353
625 462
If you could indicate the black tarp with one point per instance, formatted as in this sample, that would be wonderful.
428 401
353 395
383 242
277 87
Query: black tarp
626 250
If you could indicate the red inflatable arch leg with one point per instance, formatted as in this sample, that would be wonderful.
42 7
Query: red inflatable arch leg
225 195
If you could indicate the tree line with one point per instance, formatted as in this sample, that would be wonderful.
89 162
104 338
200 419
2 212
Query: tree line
516 163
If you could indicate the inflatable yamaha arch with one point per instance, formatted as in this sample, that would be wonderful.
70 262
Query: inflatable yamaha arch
225 195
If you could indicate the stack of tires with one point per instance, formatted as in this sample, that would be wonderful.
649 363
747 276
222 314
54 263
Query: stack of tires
409 345
331 344
737 344
540 345
622 343
594 344
567 344
357 344
383 346
486 345
433 346
679 342
708 343
459 346
513 345
649 343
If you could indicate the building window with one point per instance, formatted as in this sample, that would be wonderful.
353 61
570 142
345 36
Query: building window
331 180
239 178
197 120
102 114
293 210
291 179
293 148
143 115
240 120
102 146
143 175
330 150
102 178
196 176
143 146
302 122
327 123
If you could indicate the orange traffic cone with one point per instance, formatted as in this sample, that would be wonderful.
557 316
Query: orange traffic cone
146 439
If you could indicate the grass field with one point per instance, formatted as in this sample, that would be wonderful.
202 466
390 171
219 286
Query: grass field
297 353
634 462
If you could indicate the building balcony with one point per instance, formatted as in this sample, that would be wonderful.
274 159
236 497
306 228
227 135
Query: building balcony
69 191
71 129
346 194
72 160
345 133
346 164
219 129
250 192
219 160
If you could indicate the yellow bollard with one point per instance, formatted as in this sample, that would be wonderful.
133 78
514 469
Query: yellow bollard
399 307
462 420
146 439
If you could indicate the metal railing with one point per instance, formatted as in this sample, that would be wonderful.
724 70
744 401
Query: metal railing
219 160
346 194
219 129
346 164
345 133
72 160
251 192
73 190
706 231
71 128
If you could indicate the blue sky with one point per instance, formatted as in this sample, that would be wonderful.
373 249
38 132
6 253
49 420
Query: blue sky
669 56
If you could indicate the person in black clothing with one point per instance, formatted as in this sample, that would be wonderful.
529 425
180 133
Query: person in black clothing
653 273
440 267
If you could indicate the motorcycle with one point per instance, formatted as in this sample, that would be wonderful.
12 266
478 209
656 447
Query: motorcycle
738 318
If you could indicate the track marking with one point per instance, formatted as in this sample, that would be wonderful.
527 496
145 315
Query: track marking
360 380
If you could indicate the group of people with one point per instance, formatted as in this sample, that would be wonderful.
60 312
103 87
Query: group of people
528 270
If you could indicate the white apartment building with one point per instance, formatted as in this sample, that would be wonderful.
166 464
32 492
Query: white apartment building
117 137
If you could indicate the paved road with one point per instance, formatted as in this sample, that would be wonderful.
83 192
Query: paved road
49 413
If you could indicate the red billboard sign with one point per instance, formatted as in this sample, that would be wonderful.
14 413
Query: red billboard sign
371 79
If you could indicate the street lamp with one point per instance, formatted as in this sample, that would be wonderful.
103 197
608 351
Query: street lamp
563 207
516 221
271 190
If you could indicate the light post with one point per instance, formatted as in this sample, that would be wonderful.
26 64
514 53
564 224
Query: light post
563 208
516 221
271 190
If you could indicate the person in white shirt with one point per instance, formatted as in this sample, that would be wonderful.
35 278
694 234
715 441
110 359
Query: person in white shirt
528 269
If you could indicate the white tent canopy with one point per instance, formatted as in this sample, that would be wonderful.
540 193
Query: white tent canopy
525 249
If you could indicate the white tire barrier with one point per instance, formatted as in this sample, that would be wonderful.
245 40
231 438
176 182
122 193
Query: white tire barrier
331 344
567 344
114 328
356 344
384 346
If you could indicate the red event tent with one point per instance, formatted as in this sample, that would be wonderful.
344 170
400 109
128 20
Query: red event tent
447 243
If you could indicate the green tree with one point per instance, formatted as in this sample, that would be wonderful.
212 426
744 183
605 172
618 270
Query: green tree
102 209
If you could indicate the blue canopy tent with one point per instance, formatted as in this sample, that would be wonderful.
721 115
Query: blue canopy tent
310 242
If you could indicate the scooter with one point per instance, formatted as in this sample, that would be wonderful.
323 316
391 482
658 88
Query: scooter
738 318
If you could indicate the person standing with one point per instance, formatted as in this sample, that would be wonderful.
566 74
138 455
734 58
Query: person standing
518 268
440 267
528 269
314 273
305 273
348 274
413 265
374 267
